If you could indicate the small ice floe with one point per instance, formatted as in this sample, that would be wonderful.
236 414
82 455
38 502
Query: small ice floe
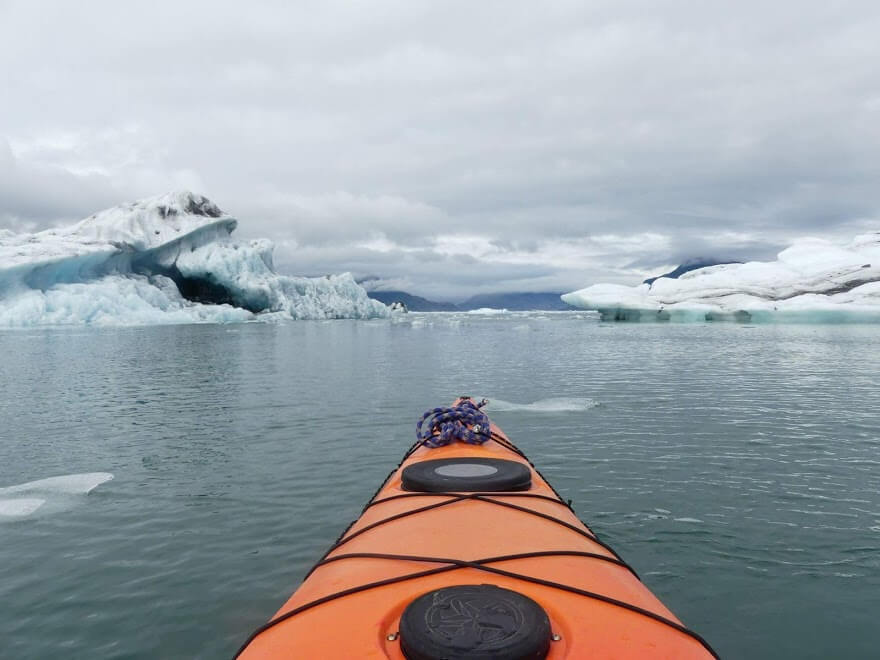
486 311
47 495
552 405
398 306
20 507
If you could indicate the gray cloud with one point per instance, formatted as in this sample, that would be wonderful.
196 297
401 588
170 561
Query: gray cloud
449 145
31 194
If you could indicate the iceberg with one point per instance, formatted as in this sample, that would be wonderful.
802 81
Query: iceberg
814 280
167 259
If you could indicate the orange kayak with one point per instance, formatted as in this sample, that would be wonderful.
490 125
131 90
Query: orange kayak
467 552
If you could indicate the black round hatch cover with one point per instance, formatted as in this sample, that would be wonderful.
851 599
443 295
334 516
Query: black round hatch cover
466 474
474 622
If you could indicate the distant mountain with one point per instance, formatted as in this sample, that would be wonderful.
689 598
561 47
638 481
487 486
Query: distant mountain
517 302
688 266
523 301
413 303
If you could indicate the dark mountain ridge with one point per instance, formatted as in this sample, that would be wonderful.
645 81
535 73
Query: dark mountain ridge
517 301
413 303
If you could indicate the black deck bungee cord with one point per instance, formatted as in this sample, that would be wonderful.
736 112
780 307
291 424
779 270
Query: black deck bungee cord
454 498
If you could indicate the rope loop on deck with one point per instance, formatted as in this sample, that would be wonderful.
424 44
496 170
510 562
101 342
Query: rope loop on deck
465 422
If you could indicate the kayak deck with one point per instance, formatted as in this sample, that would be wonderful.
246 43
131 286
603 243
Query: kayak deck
407 544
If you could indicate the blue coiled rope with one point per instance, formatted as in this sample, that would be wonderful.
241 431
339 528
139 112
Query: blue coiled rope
465 422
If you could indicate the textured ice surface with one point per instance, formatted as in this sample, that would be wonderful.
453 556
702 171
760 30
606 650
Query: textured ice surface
52 494
552 405
168 259
20 507
486 311
74 484
812 281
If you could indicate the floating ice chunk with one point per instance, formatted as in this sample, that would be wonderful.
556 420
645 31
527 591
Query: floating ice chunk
49 495
486 311
169 259
20 507
812 281
72 484
553 405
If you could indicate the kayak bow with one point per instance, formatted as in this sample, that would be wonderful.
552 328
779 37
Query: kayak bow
467 552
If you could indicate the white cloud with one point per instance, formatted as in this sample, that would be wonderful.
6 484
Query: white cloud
393 134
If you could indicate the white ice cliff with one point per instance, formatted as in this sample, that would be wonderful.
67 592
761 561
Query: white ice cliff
814 280
168 259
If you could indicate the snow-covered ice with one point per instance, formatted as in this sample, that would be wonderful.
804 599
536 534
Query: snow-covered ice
814 280
168 259
486 311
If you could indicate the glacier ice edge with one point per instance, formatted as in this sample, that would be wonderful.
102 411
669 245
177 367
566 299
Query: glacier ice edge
168 259
813 281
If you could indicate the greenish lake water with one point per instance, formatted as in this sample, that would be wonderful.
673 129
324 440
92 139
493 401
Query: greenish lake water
737 468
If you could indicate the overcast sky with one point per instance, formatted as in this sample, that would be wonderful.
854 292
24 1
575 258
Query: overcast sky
453 148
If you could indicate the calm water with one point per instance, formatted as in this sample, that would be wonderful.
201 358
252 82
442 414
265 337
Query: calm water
736 468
